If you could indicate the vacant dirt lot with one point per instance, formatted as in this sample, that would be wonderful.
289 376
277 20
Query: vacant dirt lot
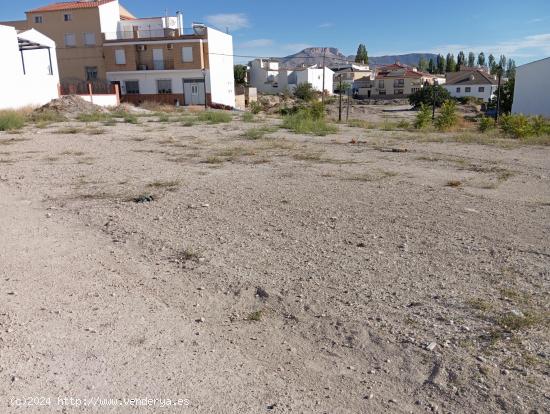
281 274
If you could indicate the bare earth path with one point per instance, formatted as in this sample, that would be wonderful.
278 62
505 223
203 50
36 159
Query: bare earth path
283 274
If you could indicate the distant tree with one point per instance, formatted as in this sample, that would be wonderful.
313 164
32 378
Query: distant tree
511 69
240 74
426 95
422 64
506 97
431 66
471 59
441 64
481 59
460 60
362 55
492 64
451 64
502 63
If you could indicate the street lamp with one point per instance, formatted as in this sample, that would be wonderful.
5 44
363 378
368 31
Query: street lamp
203 70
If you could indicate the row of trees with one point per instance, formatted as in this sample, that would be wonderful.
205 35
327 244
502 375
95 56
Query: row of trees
443 64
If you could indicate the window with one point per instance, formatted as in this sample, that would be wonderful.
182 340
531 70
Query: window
187 54
381 92
38 19
91 73
381 84
89 39
132 87
467 89
398 92
67 17
120 57
457 90
481 89
70 40
398 83
164 86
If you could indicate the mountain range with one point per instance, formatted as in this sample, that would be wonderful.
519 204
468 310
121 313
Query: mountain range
314 55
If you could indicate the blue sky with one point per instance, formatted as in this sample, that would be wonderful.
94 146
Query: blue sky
520 30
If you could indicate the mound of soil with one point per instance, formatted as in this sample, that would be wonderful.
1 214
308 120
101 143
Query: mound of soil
71 105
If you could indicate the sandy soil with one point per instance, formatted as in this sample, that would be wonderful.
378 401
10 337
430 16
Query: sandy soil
285 274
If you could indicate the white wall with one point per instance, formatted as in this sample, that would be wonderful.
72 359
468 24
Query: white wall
263 70
109 16
220 57
148 79
532 90
102 100
486 95
315 77
37 86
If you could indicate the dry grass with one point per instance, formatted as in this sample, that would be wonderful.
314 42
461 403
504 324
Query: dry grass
453 183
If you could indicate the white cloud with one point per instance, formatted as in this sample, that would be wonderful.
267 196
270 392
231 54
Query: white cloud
231 21
250 44
325 25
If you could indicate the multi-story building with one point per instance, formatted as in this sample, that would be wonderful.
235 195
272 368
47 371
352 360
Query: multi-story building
158 60
395 80
77 27
349 73
150 58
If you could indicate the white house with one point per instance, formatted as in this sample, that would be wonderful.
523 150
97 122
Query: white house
29 74
267 76
157 60
471 82
532 89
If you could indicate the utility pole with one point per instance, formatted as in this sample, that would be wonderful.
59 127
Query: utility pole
433 98
324 72
340 93
498 93
347 110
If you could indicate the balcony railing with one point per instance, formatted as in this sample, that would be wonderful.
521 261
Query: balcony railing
151 34
165 64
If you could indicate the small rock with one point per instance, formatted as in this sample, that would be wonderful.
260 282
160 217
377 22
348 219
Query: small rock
48 215
431 346
205 205
369 397
200 320
261 293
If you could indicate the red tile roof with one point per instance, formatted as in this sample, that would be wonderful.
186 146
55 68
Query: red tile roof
70 5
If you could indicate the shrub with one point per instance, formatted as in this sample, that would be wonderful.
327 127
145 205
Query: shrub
131 119
517 126
305 92
255 107
403 124
425 96
423 117
308 121
486 123
448 117
94 117
258 133
10 120
214 117
248 117
46 117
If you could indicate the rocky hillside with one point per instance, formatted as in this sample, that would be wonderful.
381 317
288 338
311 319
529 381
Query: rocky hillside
314 55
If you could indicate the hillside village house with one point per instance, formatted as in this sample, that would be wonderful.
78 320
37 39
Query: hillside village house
76 27
394 80
29 73
349 73
150 58
267 76
471 82
532 89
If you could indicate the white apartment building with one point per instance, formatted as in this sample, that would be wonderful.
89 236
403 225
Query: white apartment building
532 89
471 82
29 74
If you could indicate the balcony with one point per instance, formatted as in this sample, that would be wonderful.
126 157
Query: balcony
165 64
160 33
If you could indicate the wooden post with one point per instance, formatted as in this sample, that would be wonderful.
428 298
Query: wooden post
117 94
90 92
59 90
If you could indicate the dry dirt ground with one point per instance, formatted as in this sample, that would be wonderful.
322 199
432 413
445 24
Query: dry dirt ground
286 274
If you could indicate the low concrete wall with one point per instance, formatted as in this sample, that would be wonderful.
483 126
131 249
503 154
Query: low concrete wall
102 100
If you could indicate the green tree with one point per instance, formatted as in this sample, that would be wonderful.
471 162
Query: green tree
481 59
240 74
511 69
471 59
431 66
460 60
441 64
422 65
506 96
426 96
305 92
502 63
451 64
492 64
362 55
